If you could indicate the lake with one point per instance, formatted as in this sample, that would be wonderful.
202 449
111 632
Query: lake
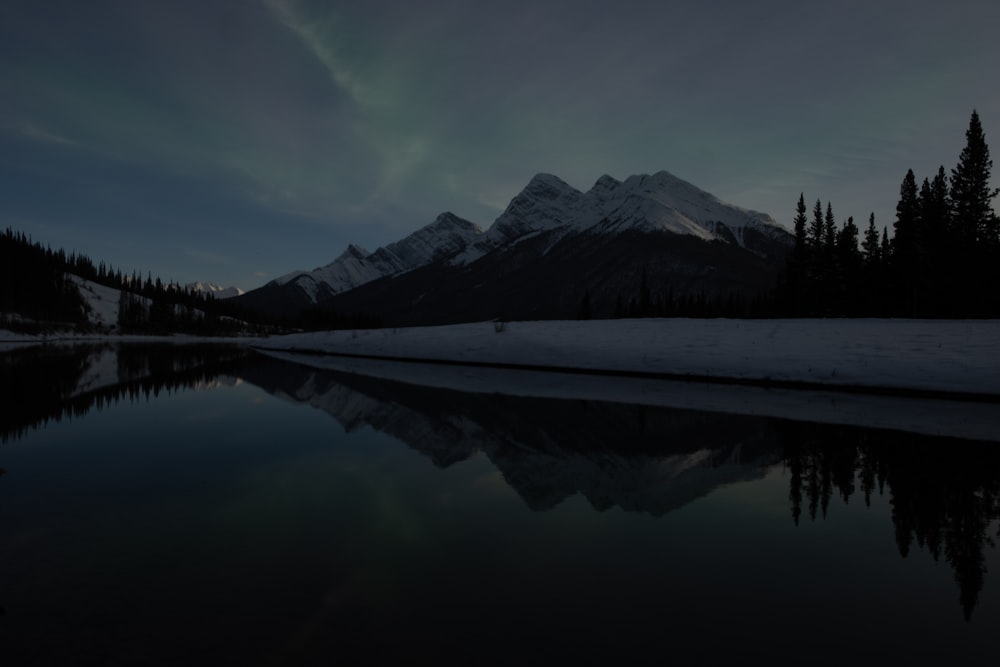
182 505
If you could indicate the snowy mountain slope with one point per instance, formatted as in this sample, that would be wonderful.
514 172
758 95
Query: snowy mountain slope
552 245
643 203
664 202
546 204
447 235
102 302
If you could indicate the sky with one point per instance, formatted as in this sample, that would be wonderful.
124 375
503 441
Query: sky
233 141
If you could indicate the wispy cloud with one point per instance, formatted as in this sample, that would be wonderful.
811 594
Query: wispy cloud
317 35
37 133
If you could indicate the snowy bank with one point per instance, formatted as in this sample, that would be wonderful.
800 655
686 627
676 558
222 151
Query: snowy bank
10 339
959 358
971 420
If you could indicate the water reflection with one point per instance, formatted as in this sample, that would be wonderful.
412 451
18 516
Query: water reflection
944 494
48 383
638 458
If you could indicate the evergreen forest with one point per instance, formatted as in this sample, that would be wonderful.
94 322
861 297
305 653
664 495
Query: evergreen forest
38 295
942 258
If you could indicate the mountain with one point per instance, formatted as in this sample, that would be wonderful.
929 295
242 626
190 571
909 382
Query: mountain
288 294
658 203
215 291
552 249
444 237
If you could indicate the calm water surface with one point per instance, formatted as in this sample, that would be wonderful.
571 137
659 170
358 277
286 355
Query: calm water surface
178 506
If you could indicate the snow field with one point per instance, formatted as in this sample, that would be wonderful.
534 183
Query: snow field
946 356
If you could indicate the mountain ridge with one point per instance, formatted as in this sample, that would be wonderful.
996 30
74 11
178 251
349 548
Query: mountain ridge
549 218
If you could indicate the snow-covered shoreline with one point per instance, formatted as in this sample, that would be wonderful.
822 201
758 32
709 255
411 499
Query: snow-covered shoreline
786 369
947 357
971 420
789 369
10 339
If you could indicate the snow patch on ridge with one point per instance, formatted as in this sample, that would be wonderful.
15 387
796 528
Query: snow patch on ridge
447 235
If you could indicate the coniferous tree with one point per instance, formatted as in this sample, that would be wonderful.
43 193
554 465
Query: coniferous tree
799 223
971 194
794 288
848 264
906 246
870 246
816 228
975 249
829 230
872 294
936 260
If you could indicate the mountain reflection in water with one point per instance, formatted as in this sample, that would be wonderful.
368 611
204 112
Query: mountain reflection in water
944 494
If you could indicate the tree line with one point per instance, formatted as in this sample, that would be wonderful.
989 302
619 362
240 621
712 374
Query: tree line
34 284
941 260
41 384
38 295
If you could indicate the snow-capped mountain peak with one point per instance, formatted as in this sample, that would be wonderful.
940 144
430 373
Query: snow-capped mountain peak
664 202
604 188
353 252
447 235
214 290
545 204
645 203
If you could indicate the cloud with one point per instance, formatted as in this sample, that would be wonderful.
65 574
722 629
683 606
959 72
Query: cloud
35 133
319 36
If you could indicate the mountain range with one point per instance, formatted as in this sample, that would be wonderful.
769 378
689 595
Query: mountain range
553 249
214 291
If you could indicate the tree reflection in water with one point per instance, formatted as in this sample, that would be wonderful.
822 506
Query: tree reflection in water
43 383
944 494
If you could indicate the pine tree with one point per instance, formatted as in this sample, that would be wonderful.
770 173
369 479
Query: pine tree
816 229
795 286
937 258
971 193
848 264
829 229
907 246
799 223
870 245
907 218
